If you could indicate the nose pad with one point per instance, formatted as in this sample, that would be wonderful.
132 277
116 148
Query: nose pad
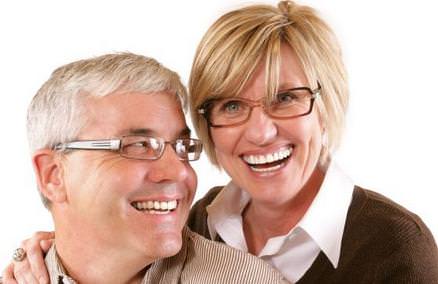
168 168
260 128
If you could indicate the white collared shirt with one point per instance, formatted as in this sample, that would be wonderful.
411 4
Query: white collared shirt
320 229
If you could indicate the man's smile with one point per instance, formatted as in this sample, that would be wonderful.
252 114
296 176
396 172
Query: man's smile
155 206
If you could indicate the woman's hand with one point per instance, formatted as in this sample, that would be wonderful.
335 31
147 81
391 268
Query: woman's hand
32 268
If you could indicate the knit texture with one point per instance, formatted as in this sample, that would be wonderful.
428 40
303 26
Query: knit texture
382 243
199 261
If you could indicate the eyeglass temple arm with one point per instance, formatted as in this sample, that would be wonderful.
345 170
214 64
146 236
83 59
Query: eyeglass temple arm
318 89
112 144
316 92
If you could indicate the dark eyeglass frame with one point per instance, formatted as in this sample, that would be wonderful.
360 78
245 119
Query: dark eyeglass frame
205 108
117 145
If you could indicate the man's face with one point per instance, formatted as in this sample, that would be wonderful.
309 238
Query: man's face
102 186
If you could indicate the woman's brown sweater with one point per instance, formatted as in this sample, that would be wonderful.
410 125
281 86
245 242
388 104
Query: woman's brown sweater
382 243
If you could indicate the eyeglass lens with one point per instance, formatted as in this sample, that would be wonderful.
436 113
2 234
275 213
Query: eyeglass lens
286 104
151 148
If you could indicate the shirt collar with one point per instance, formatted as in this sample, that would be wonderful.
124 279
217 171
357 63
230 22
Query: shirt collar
324 221
56 271
225 215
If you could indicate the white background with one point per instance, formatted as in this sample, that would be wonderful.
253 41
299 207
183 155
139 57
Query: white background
390 49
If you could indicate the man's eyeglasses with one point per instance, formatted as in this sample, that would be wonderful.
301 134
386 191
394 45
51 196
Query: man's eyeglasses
235 111
139 147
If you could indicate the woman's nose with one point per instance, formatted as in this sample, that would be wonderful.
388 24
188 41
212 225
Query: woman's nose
260 128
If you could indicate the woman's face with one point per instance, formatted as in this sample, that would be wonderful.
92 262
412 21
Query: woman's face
297 141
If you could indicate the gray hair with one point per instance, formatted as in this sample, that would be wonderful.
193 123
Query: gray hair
57 112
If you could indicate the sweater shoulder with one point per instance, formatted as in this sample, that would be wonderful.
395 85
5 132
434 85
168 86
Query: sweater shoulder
372 209
215 258
379 227
383 236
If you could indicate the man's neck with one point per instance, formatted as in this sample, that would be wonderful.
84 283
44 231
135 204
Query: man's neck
87 261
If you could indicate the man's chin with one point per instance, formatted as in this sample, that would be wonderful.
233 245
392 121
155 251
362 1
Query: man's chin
171 248
163 245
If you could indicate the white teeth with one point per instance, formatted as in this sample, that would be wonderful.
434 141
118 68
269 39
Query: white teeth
158 212
155 207
163 205
268 158
150 204
172 204
250 159
260 170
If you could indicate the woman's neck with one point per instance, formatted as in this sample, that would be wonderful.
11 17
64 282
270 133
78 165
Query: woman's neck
263 221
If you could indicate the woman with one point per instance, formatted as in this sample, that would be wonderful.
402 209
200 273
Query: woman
268 97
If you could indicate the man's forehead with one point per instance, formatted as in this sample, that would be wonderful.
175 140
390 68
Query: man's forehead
154 114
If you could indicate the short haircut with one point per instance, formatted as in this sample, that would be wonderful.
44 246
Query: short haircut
57 112
238 41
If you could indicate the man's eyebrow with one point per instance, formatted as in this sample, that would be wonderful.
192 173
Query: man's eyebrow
149 132
140 131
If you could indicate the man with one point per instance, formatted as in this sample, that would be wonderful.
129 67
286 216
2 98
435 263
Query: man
111 151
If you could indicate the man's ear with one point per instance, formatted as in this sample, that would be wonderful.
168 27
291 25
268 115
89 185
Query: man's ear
49 174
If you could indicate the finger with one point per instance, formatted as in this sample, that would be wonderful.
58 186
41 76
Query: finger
37 265
32 268
41 235
46 245
23 273
35 256
8 275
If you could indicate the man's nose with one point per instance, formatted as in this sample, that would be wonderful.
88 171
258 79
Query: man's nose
260 128
168 168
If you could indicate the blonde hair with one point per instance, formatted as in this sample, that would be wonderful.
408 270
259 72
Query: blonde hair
237 42
57 112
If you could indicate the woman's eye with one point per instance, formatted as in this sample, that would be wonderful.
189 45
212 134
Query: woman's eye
284 98
231 106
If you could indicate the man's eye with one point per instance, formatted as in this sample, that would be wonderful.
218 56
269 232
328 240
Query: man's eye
138 144
152 144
